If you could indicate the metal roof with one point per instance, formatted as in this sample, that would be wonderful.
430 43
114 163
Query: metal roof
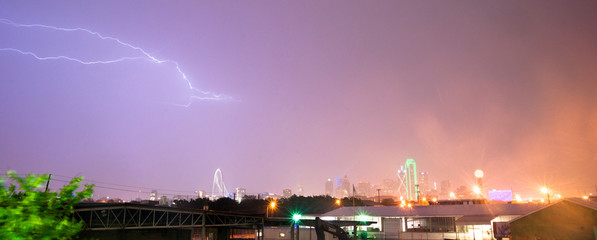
436 210
582 202
474 220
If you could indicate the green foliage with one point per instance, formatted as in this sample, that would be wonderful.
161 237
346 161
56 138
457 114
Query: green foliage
285 207
29 212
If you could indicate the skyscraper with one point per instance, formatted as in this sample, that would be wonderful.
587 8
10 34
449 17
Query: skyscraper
364 189
343 189
329 187
424 184
286 193
389 187
412 186
240 194
154 195
444 189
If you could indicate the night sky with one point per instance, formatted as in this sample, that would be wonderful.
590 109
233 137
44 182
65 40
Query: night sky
306 91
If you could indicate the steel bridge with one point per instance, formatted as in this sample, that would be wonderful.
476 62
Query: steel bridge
127 216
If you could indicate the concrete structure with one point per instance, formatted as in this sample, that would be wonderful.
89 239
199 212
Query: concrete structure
573 218
431 221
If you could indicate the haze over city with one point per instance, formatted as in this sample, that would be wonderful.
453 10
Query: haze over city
278 94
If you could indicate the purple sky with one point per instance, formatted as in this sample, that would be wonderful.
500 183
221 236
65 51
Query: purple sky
320 90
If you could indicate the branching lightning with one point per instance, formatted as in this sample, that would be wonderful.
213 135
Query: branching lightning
195 92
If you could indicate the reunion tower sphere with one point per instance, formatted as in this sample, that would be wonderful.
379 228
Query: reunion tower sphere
478 173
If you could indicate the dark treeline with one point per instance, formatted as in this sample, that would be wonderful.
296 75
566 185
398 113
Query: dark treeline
285 207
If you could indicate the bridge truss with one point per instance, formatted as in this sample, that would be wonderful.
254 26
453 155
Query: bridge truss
135 216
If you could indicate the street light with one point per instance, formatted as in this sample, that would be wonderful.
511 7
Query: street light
477 190
272 205
338 202
545 190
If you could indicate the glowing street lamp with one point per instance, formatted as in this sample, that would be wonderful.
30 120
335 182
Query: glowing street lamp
338 202
477 190
545 190
272 205
296 217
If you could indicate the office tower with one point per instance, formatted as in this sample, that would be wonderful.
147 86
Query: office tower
423 183
240 194
343 188
286 193
153 196
444 189
363 189
329 187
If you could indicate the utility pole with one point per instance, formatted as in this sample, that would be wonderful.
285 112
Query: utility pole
378 195
48 183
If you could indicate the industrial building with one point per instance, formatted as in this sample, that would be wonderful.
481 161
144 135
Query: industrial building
572 218
470 221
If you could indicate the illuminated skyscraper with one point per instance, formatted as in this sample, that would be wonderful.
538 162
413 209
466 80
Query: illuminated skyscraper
240 194
424 184
412 186
343 189
329 187
154 195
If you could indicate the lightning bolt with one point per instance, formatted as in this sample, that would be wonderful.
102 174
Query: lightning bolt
195 93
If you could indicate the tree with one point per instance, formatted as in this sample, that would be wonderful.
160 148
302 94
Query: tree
388 202
27 211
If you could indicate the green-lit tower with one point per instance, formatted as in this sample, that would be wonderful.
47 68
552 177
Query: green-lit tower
412 186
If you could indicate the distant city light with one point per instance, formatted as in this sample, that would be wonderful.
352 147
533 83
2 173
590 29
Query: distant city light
338 202
452 195
518 198
545 190
478 173
585 197
362 217
476 190
272 204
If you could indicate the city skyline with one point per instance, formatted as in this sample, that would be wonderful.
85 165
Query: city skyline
282 94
